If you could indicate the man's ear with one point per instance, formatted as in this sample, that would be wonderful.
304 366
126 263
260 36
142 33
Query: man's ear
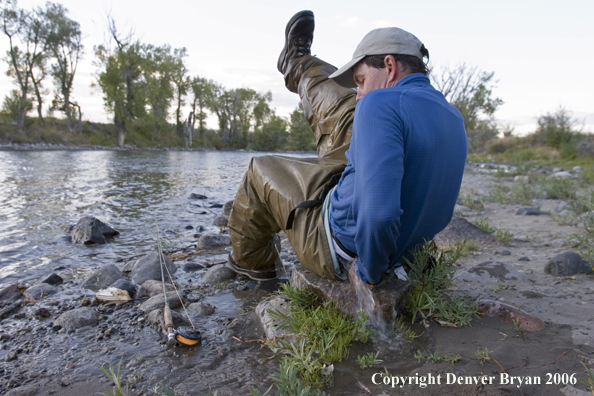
392 69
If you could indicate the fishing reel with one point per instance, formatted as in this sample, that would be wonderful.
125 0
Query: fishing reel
184 335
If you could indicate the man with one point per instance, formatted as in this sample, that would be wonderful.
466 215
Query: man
403 169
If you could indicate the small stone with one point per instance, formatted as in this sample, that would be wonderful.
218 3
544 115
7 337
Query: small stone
562 206
153 287
506 253
191 267
53 279
10 293
522 179
149 267
12 355
102 277
197 196
218 274
221 221
124 284
40 291
189 227
77 318
158 302
567 263
42 313
90 230
86 301
525 258
202 308
530 212
227 208
562 174
577 169
211 241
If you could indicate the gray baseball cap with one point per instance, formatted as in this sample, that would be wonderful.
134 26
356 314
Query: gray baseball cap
390 40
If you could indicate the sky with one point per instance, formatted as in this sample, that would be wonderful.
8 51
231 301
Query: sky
540 51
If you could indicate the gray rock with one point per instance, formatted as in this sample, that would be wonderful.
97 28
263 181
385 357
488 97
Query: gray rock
491 272
218 274
506 253
91 230
77 318
153 287
462 209
227 208
562 174
204 309
577 169
389 296
273 324
10 293
197 196
53 279
563 205
522 179
191 267
158 302
460 229
221 221
530 212
40 291
102 278
525 258
567 263
124 284
213 240
149 267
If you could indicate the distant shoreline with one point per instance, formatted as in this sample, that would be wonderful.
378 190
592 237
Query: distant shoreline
88 147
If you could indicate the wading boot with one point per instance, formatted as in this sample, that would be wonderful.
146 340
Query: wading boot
298 38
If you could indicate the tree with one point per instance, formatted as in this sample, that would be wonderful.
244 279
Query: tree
64 42
301 137
556 129
25 29
272 136
470 90
157 86
120 72
181 83
202 95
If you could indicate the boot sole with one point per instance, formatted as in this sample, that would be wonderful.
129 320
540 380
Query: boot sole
252 274
302 14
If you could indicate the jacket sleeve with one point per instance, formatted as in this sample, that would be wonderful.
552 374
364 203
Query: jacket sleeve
378 156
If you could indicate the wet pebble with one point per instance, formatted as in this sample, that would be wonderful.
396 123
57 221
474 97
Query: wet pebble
53 279
506 253
40 291
525 258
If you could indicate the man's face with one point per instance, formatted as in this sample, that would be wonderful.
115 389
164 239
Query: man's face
369 78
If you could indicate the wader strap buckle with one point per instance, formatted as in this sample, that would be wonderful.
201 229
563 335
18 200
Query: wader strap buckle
314 202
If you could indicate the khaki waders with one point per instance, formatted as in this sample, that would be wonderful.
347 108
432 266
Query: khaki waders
274 185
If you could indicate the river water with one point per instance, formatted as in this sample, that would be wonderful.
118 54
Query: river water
42 193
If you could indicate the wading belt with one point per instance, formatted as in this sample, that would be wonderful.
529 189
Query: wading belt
314 202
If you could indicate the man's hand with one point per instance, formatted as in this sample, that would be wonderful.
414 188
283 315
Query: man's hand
354 278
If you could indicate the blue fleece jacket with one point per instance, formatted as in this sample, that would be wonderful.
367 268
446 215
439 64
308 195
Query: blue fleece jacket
403 176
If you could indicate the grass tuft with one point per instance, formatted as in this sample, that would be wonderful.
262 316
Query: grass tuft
432 271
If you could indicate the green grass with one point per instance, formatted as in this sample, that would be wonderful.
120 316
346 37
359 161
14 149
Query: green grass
432 271
120 388
470 200
499 233
322 333
369 360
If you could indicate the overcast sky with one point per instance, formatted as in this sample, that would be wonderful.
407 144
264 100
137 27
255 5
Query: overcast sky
541 50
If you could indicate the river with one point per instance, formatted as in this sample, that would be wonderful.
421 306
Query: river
44 192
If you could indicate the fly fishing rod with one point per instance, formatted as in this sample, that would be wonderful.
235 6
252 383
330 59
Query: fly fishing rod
184 335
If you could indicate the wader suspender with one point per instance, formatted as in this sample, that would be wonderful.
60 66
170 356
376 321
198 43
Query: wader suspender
314 202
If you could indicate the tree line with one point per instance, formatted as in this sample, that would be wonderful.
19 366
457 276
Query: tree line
146 89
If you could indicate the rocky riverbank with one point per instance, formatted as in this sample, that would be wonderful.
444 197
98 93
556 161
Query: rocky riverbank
56 333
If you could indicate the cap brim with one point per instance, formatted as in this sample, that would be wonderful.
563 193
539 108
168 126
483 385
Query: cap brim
344 75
